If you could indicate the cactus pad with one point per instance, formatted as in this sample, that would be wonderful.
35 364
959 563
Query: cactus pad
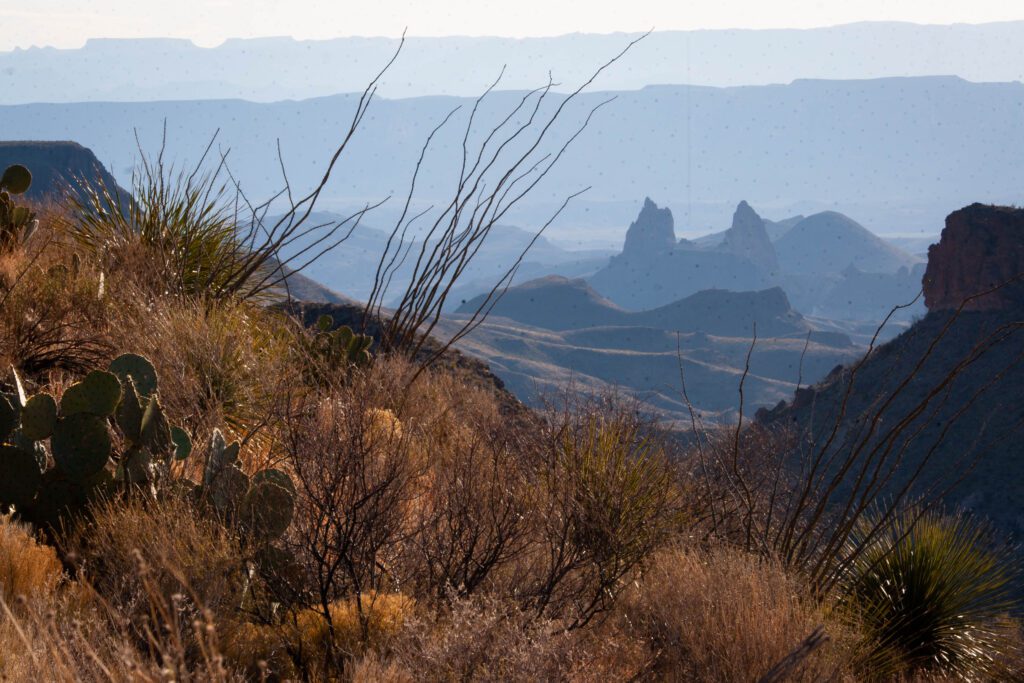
129 412
136 466
97 394
267 509
16 179
274 477
228 488
139 369
156 432
80 444
20 476
182 443
220 457
39 417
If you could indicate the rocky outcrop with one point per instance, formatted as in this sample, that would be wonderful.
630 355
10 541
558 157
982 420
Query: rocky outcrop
981 249
653 232
748 238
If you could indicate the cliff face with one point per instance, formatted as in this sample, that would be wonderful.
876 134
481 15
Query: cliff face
982 247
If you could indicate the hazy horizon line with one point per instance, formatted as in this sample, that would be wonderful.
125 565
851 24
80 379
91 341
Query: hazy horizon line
553 36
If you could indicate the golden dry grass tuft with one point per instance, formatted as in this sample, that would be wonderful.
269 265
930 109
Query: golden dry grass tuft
727 616
28 569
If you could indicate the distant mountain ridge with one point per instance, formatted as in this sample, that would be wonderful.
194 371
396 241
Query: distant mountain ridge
555 332
268 69
907 149
559 303
829 242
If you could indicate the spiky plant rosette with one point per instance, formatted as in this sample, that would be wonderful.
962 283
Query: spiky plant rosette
931 593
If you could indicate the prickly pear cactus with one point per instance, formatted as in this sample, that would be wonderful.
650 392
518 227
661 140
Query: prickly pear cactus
16 222
264 504
78 428
20 476
81 444
39 417
139 369
49 486
98 394
332 350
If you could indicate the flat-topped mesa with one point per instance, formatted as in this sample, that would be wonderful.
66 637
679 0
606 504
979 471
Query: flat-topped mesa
653 232
56 166
978 262
749 239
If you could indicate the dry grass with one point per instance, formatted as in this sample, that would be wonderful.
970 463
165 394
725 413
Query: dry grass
56 629
305 641
134 553
486 639
727 616
28 569
52 316
64 640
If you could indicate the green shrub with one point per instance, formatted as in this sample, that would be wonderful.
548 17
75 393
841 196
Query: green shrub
931 594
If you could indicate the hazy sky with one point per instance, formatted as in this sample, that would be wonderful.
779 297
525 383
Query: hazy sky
68 23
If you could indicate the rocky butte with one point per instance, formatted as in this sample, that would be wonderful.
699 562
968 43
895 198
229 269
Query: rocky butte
978 262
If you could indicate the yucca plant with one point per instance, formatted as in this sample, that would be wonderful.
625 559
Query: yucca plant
931 593
208 239
182 219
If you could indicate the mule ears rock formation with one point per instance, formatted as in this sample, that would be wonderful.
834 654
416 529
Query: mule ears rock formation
748 238
981 249
653 232
655 269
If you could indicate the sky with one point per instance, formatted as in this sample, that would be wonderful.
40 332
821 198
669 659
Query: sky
69 23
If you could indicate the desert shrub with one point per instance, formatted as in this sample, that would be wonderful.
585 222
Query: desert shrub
28 568
607 498
134 553
473 522
52 314
725 615
353 493
931 594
